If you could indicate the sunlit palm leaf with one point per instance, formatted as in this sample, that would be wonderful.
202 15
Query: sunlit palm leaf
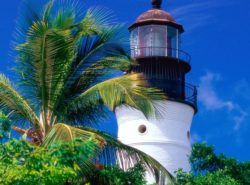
129 90
100 71
14 104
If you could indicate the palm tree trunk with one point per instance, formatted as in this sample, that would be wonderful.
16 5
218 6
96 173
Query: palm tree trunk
36 136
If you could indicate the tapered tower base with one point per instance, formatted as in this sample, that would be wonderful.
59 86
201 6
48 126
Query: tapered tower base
165 138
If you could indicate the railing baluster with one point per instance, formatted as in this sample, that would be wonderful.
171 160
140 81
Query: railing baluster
151 51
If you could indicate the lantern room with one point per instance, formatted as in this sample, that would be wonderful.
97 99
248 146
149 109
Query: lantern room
156 33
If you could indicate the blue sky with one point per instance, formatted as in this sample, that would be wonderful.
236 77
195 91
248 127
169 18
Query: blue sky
217 38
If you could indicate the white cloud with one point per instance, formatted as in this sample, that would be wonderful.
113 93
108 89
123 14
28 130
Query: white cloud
198 13
239 119
211 100
208 96
242 91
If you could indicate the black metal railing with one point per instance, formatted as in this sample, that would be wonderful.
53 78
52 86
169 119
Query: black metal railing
154 51
176 90
191 94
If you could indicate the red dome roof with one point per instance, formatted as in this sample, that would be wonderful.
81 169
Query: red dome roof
155 15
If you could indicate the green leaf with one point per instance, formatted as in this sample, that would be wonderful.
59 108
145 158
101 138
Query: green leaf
129 90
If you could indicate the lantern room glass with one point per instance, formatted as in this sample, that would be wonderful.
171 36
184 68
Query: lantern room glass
155 40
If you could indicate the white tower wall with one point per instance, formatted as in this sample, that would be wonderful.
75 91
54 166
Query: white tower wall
166 138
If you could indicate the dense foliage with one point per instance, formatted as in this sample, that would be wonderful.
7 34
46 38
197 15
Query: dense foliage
24 164
211 169
60 164
116 176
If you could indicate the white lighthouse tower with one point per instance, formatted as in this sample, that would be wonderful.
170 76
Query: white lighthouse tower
155 44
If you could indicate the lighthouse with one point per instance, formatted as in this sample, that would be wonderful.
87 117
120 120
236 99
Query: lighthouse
155 42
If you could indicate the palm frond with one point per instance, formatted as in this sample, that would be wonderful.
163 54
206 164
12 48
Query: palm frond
56 51
110 149
93 48
128 89
88 115
100 71
27 15
120 61
47 11
102 16
64 19
94 53
91 113
96 20
14 104
45 62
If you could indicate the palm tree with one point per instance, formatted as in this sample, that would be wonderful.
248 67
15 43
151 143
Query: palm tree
62 84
